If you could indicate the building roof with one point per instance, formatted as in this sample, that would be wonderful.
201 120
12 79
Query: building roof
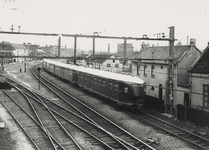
18 46
100 58
202 64
162 52
84 55
128 54
6 46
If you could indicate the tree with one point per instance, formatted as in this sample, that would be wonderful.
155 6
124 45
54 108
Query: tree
144 45
178 43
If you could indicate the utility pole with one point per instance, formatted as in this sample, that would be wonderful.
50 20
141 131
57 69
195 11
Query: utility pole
18 29
59 46
2 63
124 52
75 47
93 48
170 80
39 71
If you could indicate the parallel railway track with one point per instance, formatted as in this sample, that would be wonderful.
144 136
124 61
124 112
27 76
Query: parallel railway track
33 129
165 127
67 121
71 103
194 139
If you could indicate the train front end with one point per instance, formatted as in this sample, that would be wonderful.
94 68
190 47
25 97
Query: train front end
138 90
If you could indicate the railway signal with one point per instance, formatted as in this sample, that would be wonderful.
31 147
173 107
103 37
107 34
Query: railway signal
39 71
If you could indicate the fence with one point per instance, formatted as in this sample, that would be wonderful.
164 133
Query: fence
193 115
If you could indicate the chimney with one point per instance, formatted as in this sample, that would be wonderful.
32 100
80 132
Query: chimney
108 48
193 42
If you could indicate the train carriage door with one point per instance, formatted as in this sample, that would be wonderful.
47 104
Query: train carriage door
122 94
116 90
75 77
53 69
62 72
88 80
125 92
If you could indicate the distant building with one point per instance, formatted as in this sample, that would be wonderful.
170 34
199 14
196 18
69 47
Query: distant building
199 88
81 60
6 49
107 62
19 50
129 49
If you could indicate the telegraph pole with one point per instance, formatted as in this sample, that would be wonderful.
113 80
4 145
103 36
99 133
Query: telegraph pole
75 47
170 80
124 52
59 46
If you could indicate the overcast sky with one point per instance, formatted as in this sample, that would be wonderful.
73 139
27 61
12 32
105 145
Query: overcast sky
110 17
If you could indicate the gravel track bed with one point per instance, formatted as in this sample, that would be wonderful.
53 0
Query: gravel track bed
139 129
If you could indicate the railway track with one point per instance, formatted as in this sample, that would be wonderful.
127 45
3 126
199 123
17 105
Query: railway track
53 126
196 140
57 122
71 103
34 131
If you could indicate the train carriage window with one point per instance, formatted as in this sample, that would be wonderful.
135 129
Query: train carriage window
95 80
115 86
126 90
99 81
107 84
103 82
86 77
110 85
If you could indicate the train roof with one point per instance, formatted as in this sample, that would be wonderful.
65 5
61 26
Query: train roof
100 73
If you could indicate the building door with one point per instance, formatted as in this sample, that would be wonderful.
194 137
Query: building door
186 99
160 92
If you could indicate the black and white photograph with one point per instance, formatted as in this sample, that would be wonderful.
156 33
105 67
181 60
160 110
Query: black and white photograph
104 75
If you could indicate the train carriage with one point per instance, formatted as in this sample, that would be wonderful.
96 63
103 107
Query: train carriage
122 89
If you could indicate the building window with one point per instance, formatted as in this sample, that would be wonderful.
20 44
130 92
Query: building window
108 65
145 70
160 92
206 96
138 70
113 60
116 65
161 67
145 87
152 71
